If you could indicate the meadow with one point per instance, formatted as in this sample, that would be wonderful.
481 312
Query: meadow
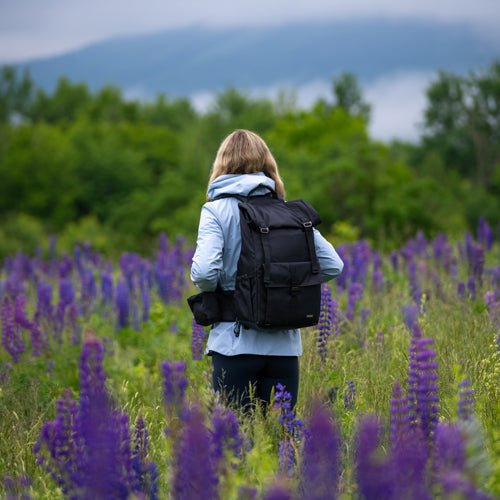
105 390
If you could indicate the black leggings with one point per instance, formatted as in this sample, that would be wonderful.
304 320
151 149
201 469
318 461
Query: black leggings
233 375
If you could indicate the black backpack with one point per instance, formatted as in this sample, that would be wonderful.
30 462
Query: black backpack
278 281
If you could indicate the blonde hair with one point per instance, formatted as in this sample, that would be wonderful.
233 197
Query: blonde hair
244 152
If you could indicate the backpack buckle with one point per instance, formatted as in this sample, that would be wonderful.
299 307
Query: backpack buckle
264 230
307 224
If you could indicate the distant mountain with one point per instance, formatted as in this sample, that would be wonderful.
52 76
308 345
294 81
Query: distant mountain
190 60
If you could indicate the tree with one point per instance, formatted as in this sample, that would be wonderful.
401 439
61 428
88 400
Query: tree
462 122
348 96
16 93
64 105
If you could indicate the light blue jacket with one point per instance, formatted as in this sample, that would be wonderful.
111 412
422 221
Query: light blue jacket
215 261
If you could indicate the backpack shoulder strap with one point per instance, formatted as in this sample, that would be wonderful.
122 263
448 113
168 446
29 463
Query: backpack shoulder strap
309 219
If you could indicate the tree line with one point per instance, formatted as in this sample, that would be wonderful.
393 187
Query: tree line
93 165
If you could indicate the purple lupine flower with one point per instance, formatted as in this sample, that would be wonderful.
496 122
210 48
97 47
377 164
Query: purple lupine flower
400 419
320 466
410 315
194 470
174 383
108 470
416 291
407 252
438 246
408 466
278 491
292 429
14 285
197 339
394 258
286 455
377 274
449 449
495 281
92 376
65 267
342 279
349 395
471 287
475 258
16 488
144 288
129 265
74 324
455 485
60 447
449 463
326 319
355 293
66 292
66 297
422 381
420 244
373 475
465 400
20 312
485 233
226 434
364 314
122 301
125 449
416 335
44 302
360 259
38 340
88 289
163 283
146 471
11 336
283 404
77 259
135 311
461 289
493 306
107 287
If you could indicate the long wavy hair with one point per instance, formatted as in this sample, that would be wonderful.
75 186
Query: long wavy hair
245 152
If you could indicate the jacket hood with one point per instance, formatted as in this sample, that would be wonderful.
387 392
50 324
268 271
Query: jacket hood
240 184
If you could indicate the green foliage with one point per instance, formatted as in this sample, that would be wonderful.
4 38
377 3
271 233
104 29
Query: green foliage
462 122
20 231
16 94
135 168
348 96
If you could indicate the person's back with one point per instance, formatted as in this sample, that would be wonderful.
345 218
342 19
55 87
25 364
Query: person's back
254 356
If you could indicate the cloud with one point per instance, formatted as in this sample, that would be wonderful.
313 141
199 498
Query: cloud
398 101
398 105
34 28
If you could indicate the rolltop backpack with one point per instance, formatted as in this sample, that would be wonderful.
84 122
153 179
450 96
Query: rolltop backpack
278 280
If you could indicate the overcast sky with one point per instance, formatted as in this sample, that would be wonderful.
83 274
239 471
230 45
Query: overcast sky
33 28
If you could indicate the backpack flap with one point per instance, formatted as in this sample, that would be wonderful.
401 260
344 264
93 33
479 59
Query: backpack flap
293 295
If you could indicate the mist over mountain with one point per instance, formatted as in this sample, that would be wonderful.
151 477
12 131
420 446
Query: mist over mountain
183 62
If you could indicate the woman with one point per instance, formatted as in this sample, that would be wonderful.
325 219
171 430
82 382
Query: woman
252 363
